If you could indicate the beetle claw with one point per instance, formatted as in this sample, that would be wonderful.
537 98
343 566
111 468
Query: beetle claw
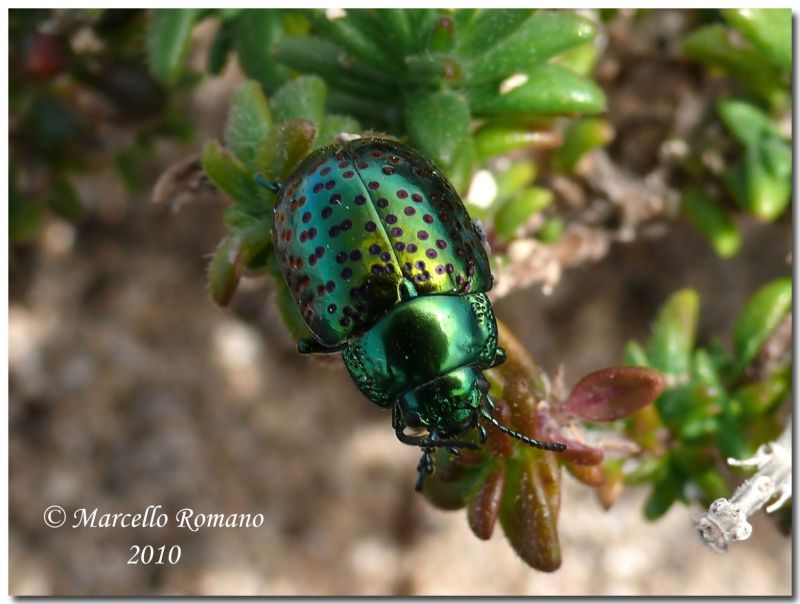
425 466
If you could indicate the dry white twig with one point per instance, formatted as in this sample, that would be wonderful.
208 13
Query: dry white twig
727 520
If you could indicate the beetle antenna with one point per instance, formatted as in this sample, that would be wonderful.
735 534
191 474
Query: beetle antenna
539 444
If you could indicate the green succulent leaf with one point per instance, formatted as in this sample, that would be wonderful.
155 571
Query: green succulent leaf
421 20
366 21
254 32
219 50
759 318
495 139
769 29
580 60
515 212
730 440
441 35
229 14
673 336
230 259
294 23
711 219
460 172
249 121
379 115
318 56
547 90
230 175
333 126
704 371
168 33
665 492
438 125
486 28
698 428
712 485
767 171
713 46
346 33
541 36
735 182
514 179
432 69
634 354
397 28
757 398
302 98
580 137
746 122
648 470
552 230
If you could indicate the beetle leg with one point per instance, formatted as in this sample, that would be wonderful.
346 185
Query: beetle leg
484 434
311 346
399 426
273 186
500 357
425 466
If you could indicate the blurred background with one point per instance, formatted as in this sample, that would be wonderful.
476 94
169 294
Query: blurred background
130 387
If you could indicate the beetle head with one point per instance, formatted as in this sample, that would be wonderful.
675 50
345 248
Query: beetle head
447 405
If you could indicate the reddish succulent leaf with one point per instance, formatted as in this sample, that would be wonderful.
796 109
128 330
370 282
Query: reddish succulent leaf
225 270
521 379
484 506
550 468
579 453
611 394
576 451
521 403
499 442
526 514
589 475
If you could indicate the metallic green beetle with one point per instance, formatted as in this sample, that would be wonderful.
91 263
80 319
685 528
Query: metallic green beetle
386 267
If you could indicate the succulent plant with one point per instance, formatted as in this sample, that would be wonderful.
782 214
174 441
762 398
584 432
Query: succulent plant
77 79
717 404
522 486
755 50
